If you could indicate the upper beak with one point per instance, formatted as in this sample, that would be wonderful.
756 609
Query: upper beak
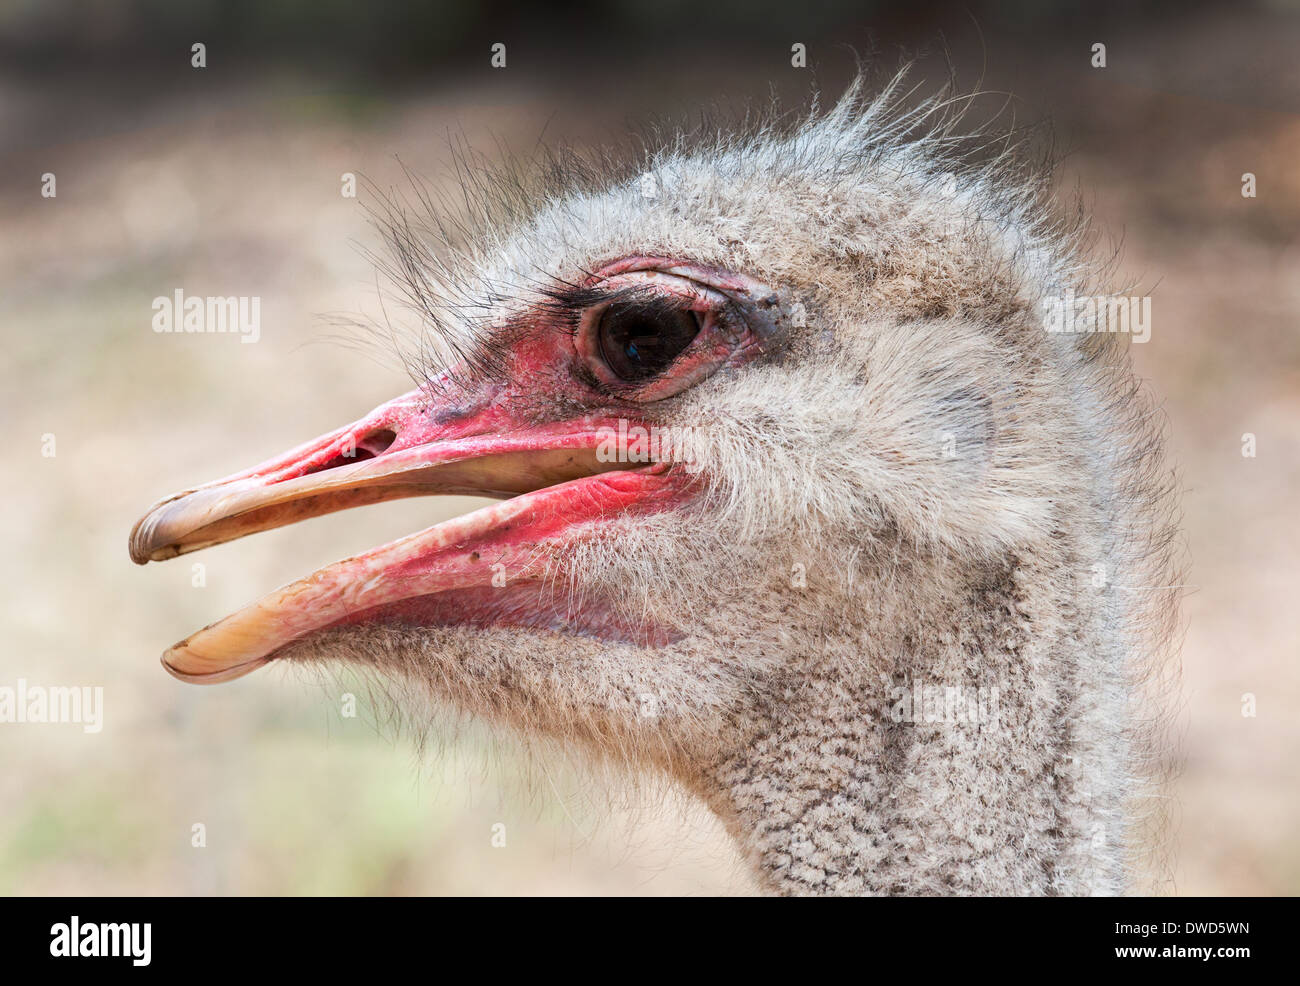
395 451
407 447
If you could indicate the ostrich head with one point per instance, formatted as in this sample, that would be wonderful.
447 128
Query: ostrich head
800 506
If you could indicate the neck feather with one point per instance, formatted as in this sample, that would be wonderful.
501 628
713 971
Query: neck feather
974 746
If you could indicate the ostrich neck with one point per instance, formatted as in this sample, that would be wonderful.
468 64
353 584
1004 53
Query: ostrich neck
972 748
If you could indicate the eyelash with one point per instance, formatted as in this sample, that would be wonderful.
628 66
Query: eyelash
568 306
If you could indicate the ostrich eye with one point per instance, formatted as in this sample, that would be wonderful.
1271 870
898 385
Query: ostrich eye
639 340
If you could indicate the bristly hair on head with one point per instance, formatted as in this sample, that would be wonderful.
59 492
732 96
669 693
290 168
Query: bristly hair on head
443 277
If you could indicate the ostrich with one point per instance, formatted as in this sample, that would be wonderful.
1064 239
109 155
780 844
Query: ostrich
801 506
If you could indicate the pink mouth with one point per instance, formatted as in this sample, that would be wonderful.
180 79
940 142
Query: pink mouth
490 567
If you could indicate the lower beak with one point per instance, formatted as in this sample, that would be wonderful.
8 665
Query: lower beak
553 472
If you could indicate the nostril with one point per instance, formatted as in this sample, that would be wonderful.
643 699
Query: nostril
375 443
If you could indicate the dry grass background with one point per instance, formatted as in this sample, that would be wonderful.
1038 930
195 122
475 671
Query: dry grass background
234 190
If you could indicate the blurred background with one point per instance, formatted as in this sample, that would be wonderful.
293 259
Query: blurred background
226 181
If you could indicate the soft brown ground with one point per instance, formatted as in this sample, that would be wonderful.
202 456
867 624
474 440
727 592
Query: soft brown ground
235 191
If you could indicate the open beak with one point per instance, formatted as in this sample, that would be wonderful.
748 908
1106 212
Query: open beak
552 475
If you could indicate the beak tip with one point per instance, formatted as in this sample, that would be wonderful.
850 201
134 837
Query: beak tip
140 543
154 536
175 659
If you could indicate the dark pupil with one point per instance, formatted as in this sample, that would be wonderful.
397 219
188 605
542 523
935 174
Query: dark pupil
638 341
